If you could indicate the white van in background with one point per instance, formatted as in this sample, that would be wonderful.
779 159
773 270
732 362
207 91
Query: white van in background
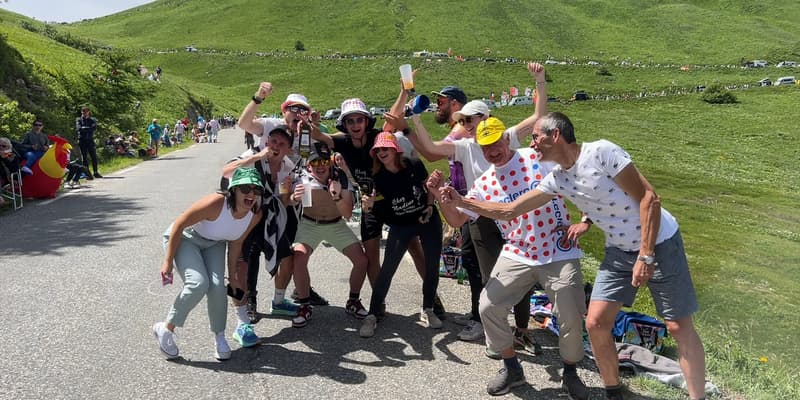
520 101
785 80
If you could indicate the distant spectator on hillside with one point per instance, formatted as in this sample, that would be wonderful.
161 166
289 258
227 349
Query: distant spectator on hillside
158 73
86 125
35 143
213 129
179 131
155 132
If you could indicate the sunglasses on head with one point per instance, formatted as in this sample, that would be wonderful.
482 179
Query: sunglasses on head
246 189
320 162
355 120
297 109
469 119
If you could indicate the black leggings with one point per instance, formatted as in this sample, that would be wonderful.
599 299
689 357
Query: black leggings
88 149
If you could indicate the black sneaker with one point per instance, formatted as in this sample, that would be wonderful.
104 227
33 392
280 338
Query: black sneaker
252 312
97 175
505 380
89 177
438 307
576 390
315 298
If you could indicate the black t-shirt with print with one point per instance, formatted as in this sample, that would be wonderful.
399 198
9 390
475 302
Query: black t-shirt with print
401 198
357 158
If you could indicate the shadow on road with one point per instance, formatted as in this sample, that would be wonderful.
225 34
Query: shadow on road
96 221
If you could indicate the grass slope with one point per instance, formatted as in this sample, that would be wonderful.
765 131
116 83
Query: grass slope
663 31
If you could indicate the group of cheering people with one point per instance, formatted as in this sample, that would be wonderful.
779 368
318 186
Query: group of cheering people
507 199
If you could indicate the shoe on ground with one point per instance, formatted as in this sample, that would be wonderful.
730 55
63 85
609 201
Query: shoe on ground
574 387
97 175
355 308
380 313
505 380
245 336
314 298
463 319
438 307
524 341
222 350
429 319
303 316
166 340
368 326
472 332
285 307
492 354
88 177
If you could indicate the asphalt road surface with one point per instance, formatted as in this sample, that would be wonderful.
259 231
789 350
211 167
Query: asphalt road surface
81 290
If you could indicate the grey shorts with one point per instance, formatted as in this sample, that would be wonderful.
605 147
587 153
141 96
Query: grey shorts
671 284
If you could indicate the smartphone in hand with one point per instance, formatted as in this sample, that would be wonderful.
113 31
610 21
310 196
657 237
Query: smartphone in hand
166 279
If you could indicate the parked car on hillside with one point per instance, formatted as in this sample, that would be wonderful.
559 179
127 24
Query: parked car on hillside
785 80
786 64
765 82
190 48
760 63
489 103
520 101
333 113
580 95
377 110
551 62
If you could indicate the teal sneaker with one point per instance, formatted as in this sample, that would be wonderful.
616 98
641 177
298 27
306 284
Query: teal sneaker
245 336
284 308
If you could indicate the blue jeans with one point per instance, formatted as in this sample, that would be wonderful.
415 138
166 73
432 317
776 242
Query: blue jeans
32 156
430 235
201 265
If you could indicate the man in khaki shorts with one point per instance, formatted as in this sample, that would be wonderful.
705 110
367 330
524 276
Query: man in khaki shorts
535 251
323 219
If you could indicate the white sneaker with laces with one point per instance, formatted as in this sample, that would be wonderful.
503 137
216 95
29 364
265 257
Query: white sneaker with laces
368 326
166 340
429 319
472 332
222 350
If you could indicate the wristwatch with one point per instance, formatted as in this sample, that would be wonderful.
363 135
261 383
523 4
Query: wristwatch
587 220
649 260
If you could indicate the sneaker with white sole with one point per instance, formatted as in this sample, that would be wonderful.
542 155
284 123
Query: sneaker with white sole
429 319
505 380
222 350
245 336
463 319
166 340
355 308
368 326
303 316
472 332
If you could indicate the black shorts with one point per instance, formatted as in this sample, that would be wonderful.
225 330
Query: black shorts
371 227
254 243
289 233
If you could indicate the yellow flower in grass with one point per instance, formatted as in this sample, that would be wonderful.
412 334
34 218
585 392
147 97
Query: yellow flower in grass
763 359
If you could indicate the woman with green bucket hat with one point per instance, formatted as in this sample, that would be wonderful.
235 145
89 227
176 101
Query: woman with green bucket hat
195 244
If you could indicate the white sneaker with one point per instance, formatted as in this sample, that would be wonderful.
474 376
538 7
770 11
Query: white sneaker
429 319
166 340
368 326
463 320
223 350
472 332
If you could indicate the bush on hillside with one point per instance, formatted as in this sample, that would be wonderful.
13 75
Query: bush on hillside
299 46
717 94
13 121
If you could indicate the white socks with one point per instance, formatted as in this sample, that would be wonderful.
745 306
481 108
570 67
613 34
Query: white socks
280 294
241 315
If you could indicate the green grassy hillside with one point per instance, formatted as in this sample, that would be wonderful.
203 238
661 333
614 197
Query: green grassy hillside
706 32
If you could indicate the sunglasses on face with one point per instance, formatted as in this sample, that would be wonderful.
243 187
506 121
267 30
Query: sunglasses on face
246 189
353 121
297 109
38 124
320 162
4 146
469 119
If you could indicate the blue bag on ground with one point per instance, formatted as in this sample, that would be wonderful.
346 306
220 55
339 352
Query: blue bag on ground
639 329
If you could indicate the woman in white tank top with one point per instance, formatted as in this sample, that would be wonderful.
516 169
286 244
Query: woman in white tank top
195 244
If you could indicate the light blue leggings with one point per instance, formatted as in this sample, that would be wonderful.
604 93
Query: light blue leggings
201 264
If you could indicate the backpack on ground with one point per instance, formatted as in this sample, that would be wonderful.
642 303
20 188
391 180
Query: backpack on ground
639 329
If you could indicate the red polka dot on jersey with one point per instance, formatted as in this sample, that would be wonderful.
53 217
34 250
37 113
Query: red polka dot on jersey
550 221
525 216
533 156
527 179
516 251
505 188
483 178
546 253
549 210
496 192
539 177
519 231
485 188
503 226
543 235
512 173
531 238
540 224
493 173
521 159
529 227
515 183
488 197
545 244
524 169
506 248
536 212
502 177
535 257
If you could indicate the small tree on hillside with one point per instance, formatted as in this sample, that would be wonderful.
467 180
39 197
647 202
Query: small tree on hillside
718 94
299 46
